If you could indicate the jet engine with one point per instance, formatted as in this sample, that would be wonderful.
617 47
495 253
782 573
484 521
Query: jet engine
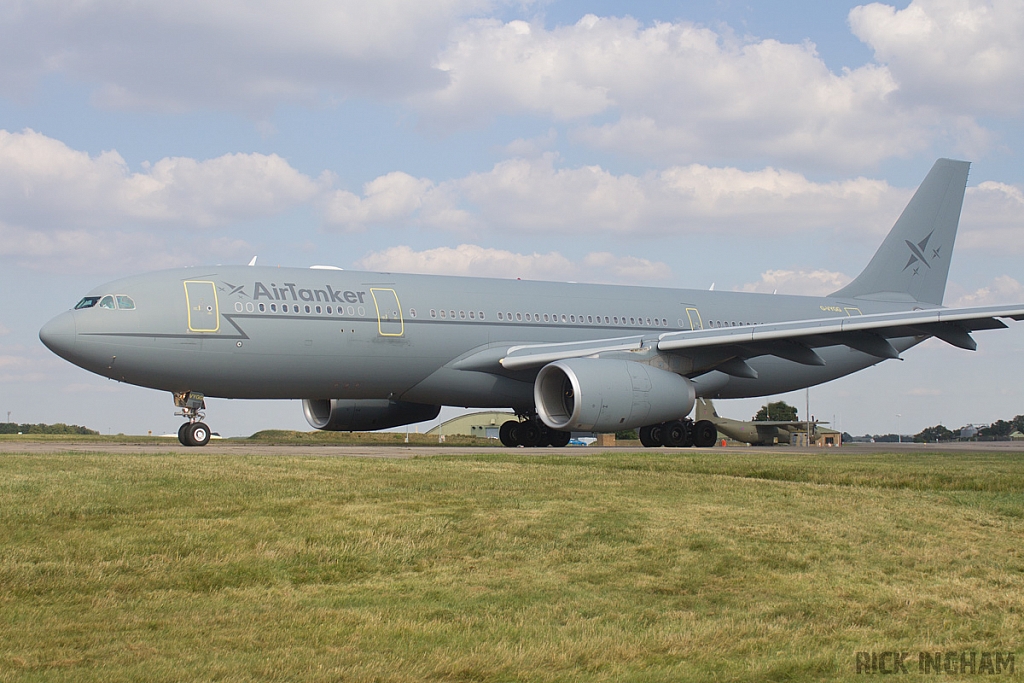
345 415
608 395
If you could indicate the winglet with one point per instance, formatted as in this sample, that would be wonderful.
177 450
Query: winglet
253 262
913 262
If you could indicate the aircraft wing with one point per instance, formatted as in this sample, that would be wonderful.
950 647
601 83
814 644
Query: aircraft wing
795 340
870 333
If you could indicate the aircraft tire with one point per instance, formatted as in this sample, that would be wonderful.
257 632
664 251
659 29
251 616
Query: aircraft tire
674 434
183 434
650 436
198 434
508 433
705 434
529 435
559 439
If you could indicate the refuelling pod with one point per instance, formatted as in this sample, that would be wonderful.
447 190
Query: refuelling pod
594 394
363 415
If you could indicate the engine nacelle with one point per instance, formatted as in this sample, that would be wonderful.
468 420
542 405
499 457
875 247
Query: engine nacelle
594 394
345 415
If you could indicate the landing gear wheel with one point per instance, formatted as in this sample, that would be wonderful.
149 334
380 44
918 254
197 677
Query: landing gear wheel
529 434
182 436
198 434
559 439
705 434
650 436
508 433
675 434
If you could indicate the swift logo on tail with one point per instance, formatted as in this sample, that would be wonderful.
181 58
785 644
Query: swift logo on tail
917 252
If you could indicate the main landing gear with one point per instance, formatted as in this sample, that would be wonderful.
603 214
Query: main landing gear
680 434
194 432
531 433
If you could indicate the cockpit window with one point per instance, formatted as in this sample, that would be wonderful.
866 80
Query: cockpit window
107 302
87 302
125 303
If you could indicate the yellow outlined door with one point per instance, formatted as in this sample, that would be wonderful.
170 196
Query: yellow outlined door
389 312
203 310
693 315
852 311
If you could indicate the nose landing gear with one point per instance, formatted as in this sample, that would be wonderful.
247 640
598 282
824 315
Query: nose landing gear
194 432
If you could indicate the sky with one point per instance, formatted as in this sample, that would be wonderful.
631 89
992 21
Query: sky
751 145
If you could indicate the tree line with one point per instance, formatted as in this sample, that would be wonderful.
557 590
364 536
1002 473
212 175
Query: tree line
59 428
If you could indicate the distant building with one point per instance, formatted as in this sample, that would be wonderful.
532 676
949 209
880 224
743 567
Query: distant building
483 425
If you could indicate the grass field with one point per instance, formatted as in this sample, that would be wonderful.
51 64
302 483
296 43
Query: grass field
651 566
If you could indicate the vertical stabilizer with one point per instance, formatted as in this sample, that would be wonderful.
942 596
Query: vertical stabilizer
913 261
705 410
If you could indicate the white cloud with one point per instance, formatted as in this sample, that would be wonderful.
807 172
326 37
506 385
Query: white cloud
1003 290
961 55
18 364
45 183
536 195
803 282
993 218
233 55
677 91
104 251
473 260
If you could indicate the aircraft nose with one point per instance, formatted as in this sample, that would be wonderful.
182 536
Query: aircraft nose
59 334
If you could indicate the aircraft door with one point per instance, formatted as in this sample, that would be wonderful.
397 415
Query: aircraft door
693 315
389 312
203 309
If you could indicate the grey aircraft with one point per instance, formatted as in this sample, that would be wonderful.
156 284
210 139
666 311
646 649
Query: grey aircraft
368 351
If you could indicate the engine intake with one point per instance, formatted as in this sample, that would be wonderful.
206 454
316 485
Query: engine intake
348 415
602 395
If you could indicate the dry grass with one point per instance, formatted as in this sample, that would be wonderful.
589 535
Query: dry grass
639 567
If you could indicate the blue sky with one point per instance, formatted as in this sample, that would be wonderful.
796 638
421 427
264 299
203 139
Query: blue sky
757 146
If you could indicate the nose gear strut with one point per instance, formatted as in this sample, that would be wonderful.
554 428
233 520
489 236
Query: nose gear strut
194 432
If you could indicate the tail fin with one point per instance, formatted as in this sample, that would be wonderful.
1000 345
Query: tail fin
705 410
913 262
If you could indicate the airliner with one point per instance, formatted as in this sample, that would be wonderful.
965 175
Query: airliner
367 351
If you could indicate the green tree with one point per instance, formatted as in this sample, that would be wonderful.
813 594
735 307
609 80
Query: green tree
934 434
1018 423
776 410
998 429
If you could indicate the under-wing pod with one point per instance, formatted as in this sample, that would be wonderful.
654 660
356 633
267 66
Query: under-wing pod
340 415
606 395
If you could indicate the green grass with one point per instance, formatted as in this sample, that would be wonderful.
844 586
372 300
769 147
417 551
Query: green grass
492 567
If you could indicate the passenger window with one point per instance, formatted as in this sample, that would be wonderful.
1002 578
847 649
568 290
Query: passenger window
462 314
519 317
433 313
263 308
87 302
318 309
481 315
451 314
529 318
125 303
546 318
307 308
442 313
107 302
501 315
330 310
412 312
